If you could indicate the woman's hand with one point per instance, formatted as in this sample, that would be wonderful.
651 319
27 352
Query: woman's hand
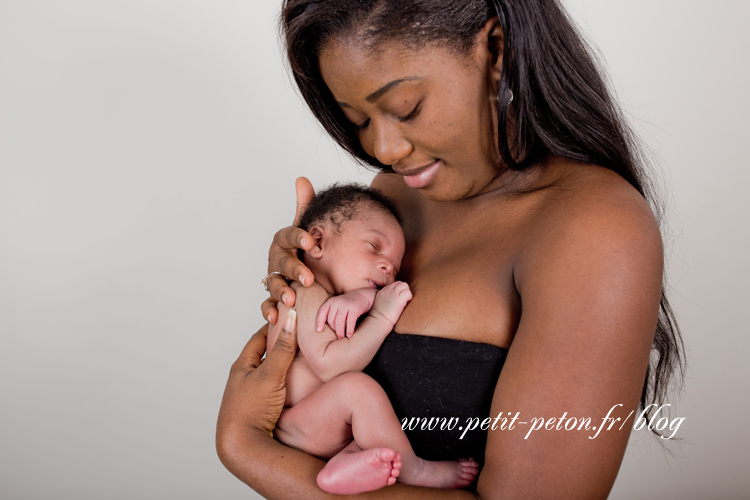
256 389
282 257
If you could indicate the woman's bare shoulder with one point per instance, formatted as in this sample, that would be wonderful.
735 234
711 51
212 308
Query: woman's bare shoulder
597 215
589 198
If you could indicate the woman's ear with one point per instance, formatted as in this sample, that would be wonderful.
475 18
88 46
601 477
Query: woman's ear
490 44
495 44
318 235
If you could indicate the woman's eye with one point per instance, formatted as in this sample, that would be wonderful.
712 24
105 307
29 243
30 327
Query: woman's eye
411 115
406 118
362 126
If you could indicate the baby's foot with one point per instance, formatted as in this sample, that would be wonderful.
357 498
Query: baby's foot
448 474
367 470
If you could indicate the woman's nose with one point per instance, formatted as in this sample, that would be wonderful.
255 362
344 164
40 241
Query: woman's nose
390 145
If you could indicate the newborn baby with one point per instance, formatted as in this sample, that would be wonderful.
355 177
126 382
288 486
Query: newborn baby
332 410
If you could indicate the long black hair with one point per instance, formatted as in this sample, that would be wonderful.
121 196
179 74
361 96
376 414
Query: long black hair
561 104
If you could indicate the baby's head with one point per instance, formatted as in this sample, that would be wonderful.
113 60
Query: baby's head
358 239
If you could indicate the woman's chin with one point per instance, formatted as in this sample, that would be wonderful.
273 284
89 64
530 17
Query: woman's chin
447 190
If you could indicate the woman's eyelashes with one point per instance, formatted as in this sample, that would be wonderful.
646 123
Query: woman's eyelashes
362 126
414 113
411 115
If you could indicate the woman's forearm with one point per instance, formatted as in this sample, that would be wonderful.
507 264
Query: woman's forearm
253 400
279 472
269 467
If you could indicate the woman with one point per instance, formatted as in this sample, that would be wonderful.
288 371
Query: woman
527 231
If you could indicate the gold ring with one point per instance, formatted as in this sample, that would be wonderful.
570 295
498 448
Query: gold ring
265 280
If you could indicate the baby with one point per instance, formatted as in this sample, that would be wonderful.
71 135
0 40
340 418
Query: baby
332 410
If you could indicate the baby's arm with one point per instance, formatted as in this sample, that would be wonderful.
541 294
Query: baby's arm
342 311
329 356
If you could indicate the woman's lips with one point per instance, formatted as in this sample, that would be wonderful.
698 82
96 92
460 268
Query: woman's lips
423 178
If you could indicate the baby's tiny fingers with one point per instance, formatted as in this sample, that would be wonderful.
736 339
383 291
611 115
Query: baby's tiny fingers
351 323
340 325
320 321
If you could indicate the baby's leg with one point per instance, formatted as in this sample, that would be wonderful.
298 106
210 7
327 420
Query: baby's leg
320 424
375 425
354 470
316 424
359 401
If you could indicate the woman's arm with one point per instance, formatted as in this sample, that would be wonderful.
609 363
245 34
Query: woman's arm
253 400
589 280
590 285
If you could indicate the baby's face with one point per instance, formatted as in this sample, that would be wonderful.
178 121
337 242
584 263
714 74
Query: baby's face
366 252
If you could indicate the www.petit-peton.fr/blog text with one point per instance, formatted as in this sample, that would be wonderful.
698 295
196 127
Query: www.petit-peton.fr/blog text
509 421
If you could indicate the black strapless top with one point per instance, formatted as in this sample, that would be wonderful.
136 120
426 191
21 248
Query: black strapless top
433 377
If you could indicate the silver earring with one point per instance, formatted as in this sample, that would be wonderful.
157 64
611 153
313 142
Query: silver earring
510 96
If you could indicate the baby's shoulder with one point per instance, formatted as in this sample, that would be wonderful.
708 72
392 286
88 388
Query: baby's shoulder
312 293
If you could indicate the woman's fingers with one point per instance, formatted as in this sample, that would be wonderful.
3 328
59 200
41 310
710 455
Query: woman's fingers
305 194
290 238
283 256
280 290
269 310
252 353
255 392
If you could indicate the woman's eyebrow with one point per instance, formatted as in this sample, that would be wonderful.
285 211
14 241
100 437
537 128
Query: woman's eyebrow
382 90
388 86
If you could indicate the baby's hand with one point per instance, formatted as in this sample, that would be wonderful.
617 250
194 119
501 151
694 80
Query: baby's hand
391 300
341 312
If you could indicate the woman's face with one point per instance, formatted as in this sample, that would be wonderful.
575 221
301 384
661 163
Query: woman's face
426 112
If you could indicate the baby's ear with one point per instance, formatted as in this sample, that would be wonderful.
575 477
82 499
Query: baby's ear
318 235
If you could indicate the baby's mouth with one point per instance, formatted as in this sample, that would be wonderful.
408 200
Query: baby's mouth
375 284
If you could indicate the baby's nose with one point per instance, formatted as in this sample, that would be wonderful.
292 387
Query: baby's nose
386 267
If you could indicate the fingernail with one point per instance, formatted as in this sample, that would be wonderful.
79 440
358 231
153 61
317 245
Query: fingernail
301 279
283 299
268 318
290 320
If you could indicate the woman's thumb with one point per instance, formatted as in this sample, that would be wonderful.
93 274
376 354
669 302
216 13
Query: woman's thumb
305 194
285 348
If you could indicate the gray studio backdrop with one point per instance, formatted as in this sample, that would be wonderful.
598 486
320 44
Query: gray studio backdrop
148 151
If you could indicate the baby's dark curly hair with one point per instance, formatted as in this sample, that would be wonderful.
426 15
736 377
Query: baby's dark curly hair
339 203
